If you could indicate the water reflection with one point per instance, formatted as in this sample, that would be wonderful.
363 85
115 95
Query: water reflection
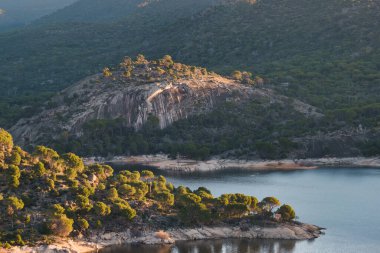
212 246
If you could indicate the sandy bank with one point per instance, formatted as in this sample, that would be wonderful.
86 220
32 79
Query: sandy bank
163 162
98 241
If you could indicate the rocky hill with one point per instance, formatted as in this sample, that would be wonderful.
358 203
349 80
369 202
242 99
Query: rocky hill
323 52
150 96
146 90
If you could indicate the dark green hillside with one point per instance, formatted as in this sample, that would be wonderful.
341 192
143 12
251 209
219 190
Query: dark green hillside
324 52
21 12
98 11
92 11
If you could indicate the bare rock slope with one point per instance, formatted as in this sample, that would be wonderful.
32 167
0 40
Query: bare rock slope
136 93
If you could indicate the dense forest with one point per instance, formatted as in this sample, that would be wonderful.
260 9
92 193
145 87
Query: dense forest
328 58
14 14
45 194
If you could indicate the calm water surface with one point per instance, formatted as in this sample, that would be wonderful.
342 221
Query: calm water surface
345 201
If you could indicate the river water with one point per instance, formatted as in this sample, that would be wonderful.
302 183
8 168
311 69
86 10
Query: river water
345 201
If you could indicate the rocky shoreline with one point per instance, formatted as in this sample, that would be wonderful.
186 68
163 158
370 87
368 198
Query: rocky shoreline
163 162
98 241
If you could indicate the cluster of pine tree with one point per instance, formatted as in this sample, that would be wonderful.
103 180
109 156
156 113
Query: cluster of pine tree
44 194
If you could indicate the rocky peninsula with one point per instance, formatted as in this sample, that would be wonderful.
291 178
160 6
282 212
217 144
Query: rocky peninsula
100 240
163 162
51 202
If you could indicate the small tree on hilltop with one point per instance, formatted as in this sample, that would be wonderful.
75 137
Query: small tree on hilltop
269 203
107 72
127 63
140 59
167 61
287 213
247 78
237 75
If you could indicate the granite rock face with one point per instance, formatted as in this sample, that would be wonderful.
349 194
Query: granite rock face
97 97
135 100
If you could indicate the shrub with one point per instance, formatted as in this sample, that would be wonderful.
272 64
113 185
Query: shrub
166 198
107 72
57 209
146 174
125 210
127 190
83 224
287 212
83 203
39 169
60 225
112 194
101 209
15 158
74 162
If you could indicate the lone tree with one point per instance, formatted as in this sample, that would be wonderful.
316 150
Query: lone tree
237 75
6 145
269 203
60 225
287 213
14 175
101 209
14 205
74 162
107 72
83 224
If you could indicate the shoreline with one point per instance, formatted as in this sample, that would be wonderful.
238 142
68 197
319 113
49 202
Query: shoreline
94 243
164 163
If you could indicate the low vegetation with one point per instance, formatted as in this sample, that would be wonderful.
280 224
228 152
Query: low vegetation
45 194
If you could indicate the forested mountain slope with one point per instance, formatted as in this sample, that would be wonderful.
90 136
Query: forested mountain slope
15 13
322 52
325 52
98 11
144 107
